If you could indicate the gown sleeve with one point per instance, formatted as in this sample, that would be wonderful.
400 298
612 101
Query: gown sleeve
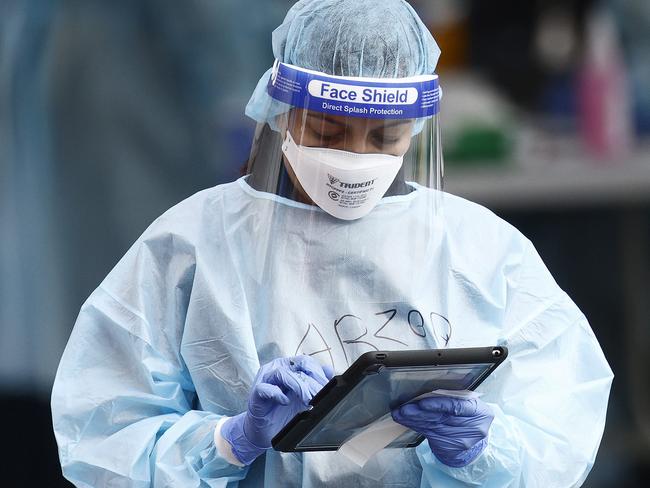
549 396
125 411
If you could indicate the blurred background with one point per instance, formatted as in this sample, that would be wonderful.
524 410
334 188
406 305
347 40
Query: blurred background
112 112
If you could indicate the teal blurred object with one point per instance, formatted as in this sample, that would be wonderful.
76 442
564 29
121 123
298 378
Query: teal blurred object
478 122
478 145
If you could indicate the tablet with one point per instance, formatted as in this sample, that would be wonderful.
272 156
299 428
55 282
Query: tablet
377 382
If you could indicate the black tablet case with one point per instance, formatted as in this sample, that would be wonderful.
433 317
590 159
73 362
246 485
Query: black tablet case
378 363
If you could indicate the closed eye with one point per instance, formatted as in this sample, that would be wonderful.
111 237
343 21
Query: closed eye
381 139
325 137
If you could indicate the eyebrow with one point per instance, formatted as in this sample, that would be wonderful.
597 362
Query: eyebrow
392 123
322 117
396 122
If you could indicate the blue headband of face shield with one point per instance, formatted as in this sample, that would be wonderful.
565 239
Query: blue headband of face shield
376 98
287 86
415 97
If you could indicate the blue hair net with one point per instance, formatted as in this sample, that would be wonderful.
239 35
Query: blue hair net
370 38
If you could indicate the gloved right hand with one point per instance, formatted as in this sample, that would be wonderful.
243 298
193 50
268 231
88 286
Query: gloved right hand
282 389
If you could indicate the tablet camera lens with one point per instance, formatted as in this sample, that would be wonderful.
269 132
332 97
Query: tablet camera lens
496 353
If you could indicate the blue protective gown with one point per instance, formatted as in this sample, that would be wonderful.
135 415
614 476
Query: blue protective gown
232 277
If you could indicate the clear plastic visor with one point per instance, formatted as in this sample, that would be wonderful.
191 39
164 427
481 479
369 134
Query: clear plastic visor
341 219
327 140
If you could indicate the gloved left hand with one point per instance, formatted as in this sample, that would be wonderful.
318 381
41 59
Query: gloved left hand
456 428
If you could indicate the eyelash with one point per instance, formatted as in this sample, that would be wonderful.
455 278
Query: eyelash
377 139
324 137
328 138
386 140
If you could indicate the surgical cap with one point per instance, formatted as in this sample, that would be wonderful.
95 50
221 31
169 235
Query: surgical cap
369 38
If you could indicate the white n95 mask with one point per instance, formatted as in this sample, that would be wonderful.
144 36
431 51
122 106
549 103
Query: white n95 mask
346 185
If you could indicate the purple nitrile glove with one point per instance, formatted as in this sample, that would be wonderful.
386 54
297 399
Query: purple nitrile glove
456 428
282 389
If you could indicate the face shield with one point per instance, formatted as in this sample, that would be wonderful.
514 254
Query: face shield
342 144
340 220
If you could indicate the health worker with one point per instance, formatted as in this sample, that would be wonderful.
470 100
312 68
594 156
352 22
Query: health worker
237 305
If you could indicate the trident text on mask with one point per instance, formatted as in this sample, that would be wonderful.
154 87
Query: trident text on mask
369 95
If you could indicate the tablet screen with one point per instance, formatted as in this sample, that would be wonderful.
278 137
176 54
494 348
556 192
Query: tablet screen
378 393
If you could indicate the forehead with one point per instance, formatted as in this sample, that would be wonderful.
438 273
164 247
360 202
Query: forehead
319 118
